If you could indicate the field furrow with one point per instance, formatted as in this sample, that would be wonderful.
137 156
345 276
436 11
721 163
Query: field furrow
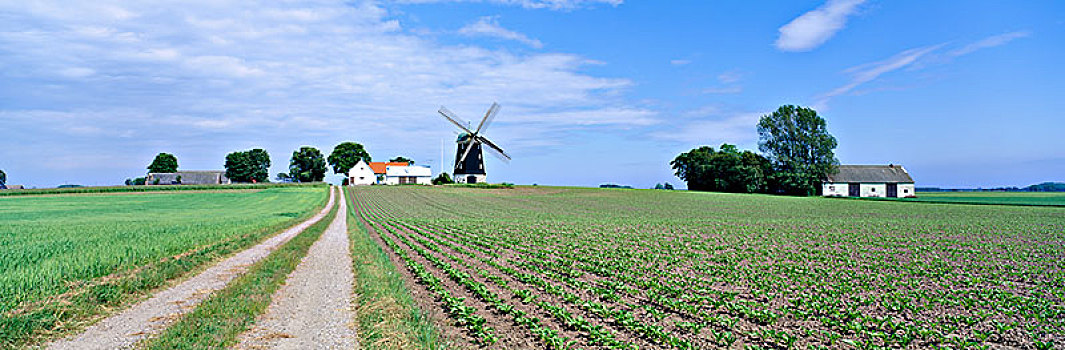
675 270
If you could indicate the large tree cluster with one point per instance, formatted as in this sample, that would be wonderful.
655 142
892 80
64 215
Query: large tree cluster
798 155
724 170
248 166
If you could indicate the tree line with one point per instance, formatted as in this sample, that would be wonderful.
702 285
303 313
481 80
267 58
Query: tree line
797 154
307 164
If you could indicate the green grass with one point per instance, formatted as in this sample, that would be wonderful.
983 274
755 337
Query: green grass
1001 198
67 260
151 188
217 321
386 315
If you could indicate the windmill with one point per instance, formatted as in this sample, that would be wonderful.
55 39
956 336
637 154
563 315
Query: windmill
469 159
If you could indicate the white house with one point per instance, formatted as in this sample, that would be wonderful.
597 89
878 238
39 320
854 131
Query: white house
361 174
409 174
891 181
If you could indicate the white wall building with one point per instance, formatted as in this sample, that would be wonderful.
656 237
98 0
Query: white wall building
890 181
361 174
411 174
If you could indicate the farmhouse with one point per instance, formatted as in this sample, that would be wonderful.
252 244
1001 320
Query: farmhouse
890 181
200 177
388 173
361 174
410 174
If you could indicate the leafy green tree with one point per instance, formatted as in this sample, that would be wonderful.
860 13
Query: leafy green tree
283 177
727 170
163 163
668 186
443 179
248 166
799 147
346 155
401 159
307 165
3 177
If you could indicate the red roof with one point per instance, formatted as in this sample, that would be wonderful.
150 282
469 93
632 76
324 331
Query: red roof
379 167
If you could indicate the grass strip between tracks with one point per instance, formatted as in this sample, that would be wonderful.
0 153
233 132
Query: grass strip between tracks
217 321
386 315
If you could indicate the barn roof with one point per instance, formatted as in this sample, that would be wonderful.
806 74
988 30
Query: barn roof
382 167
871 173
412 170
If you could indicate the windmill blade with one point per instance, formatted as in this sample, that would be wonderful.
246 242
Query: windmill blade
454 120
488 117
469 147
495 149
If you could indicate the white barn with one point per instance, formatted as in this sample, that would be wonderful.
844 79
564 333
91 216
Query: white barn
410 174
890 181
361 174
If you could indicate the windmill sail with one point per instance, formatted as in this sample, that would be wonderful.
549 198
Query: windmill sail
469 155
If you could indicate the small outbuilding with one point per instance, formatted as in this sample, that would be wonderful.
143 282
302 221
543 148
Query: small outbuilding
409 174
192 177
890 181
361 174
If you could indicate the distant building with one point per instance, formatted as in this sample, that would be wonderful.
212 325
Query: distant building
198 177
891 181
361 174
389 173
408 174
11 187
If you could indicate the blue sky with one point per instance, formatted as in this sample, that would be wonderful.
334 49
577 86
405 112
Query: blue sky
963 93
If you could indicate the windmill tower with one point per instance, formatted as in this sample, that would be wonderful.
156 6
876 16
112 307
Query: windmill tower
469 155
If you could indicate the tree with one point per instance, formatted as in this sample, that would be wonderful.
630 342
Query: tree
443 179
3 177
727 170
668 186
248 166
346 155
163 163
307 165
401 159
283 177
799 147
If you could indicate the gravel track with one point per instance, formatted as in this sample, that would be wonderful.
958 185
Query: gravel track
151 316
313 309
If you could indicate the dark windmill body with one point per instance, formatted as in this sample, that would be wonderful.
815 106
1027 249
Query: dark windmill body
469 155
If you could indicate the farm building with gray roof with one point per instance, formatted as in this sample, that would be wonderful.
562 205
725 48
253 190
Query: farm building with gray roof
891 181
201 177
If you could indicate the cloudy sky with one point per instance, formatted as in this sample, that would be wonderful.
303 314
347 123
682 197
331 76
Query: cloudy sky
963 93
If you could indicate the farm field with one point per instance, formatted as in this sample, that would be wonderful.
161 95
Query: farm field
563 268
65 259
1008 198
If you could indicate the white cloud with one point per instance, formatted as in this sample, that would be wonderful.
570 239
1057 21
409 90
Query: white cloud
989 42
723 90
729 77
680 62
868 72
206 77
530 4
489 26
912 59
76 72
713 128
813 28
